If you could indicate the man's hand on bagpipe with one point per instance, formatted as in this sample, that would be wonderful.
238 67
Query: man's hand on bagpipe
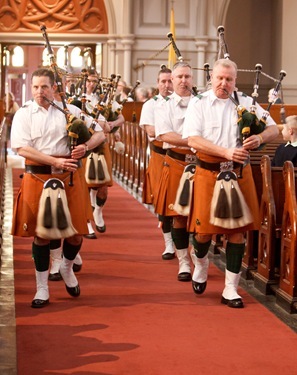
79 151
252 142
66 164
106 127
238 155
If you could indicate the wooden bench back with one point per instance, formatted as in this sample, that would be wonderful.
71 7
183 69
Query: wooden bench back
275 111
288 269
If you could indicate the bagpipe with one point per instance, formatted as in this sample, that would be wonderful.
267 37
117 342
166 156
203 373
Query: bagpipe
96 171
84 94
193 90
54 218
129 96
248 122
76 128
228 206
104 107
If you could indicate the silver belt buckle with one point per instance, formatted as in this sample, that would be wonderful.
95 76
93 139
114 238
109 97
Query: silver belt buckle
56 170
226 166
190 159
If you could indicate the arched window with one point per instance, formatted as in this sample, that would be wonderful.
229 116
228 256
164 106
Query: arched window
61 57
76 60
17 57
45 58
6 56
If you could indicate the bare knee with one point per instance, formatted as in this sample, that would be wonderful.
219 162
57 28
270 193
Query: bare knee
236 238
74 240
180 222
41 241
203 238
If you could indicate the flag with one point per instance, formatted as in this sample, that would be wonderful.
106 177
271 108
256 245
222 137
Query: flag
171 54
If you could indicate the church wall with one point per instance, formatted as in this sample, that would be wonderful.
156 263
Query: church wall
135 38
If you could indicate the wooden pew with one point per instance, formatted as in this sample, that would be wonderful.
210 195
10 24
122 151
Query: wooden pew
2 177
275 111
286 294
271 209
249 264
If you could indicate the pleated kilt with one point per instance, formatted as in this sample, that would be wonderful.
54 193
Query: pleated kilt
169 182
103 150
87 199
204 183
27 202
152 178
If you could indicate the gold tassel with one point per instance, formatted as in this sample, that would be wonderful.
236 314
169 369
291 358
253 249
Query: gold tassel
184 195
92 170
61 216
101 175
47 215
222 209
236 206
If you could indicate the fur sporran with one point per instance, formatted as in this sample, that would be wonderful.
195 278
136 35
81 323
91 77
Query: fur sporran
53 218
228 207
184 193
96 169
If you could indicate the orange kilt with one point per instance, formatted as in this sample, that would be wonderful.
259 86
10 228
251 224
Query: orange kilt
27 202
87 199
152 178
104 150
170 178
200 211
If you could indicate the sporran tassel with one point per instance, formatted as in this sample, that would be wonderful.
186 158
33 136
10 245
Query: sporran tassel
47 216
61 216
222 209
92 169
101 174
236 207
184 196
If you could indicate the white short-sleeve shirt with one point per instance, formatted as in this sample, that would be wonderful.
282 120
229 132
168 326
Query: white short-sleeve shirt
170 116
44 130
216 119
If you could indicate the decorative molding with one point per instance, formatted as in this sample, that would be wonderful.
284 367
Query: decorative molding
59 16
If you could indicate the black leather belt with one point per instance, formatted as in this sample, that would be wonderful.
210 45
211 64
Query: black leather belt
228 165
189 158
43 169
158 150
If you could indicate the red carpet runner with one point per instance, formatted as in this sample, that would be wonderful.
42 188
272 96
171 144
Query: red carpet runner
134 318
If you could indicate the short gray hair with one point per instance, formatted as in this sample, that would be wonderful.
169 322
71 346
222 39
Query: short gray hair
227 63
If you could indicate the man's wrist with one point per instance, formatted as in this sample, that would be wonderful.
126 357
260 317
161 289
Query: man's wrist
261 138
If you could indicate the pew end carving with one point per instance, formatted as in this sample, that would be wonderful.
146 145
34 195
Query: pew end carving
286 294
269 233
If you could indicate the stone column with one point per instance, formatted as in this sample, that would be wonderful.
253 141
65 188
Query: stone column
201 44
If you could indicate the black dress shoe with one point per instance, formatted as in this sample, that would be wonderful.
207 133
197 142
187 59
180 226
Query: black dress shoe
199 288
73 291
101 229
184 276
168 256
38 303
76 267
55 276
235 303
90 236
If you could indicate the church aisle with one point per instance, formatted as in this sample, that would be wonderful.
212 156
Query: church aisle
134 318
